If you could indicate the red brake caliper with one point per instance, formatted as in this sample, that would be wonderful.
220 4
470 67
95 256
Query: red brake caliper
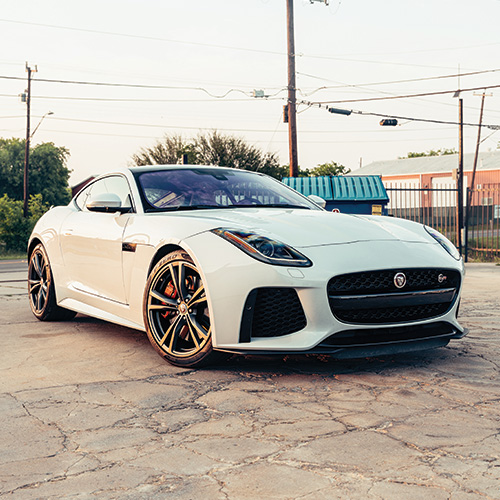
171 293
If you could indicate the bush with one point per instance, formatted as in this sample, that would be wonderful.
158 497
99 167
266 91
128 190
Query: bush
14 228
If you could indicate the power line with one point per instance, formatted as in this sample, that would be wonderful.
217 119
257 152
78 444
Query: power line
104 122
393 82
142 86
284 141
117 99
128 85
222 96
398 117
407 96
144 37
212 45
158 126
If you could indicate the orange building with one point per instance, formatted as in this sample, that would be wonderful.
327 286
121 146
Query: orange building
436 173
429 171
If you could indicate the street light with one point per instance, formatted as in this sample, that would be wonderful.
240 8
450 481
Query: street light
40 122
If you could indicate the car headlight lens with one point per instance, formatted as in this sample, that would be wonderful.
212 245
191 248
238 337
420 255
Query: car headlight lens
444 242
264 249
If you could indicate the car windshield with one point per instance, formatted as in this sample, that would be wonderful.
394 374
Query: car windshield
201 188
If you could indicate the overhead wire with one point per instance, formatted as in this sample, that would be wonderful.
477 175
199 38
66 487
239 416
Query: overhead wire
144 86
212 45
408 96
143 37
258 140
393 82
105 122
399 117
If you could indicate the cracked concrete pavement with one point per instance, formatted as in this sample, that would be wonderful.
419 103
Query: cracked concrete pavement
89 410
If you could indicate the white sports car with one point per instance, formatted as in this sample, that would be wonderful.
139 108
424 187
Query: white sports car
212 260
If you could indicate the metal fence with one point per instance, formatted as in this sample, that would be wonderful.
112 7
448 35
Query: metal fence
434 207
437 207
482 223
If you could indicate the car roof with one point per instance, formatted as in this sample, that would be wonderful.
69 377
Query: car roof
181 166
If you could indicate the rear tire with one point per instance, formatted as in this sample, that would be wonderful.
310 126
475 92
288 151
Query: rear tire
176 313
41 290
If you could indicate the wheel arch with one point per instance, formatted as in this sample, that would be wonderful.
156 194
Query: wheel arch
161 252
32 244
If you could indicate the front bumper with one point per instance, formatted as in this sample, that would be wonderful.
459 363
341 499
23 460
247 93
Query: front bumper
230 281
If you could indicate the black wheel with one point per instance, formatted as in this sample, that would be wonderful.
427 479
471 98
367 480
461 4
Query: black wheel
176 312
41 289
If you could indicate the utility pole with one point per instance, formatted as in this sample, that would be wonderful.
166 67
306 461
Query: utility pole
292 101
291 108
27 144
460 175
469 191
483 95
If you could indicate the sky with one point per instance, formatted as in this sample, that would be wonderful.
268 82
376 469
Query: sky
205 58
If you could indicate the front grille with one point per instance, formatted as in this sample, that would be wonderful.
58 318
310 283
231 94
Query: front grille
373 298
383 281
272 312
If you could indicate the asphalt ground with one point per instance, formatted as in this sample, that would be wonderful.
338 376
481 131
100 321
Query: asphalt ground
89 410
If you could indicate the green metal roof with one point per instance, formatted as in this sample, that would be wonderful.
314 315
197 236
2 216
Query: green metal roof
362 188
340 188
320 186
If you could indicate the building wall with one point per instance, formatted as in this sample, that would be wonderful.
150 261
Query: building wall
406 195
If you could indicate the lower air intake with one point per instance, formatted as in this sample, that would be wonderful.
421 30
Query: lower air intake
272 312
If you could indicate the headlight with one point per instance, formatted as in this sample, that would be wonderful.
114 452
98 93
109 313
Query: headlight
444 242
264 249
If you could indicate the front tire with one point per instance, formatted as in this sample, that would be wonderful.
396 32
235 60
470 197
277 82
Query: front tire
41 290
176 313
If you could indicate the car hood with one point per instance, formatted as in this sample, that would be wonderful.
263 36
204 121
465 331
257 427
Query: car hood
305 228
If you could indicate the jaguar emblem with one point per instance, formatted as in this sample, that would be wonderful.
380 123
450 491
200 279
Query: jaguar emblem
399 280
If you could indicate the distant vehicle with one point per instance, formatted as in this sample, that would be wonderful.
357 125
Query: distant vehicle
211 260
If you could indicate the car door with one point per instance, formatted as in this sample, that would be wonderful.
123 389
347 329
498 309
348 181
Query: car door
91 242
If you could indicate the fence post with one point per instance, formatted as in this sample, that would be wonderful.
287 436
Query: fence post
467 219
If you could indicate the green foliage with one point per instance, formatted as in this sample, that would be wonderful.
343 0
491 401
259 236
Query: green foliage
167 151
324 169
48 174
210 148
12 168
14 227
432 152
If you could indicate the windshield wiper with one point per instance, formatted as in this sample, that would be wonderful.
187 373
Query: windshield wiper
278 205
179 208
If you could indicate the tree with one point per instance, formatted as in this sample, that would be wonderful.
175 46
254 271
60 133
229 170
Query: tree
210 148
14 227
325 169
48 174
432 152
167 151
214 148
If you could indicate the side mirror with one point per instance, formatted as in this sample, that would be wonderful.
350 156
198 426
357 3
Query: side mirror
105 202
318 200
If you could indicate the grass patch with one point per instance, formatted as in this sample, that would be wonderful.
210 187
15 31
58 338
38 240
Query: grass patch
5 255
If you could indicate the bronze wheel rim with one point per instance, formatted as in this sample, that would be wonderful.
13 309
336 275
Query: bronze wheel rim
38 281
177 310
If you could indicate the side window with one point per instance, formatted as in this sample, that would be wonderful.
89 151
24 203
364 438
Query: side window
119 186
83 196
113 184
